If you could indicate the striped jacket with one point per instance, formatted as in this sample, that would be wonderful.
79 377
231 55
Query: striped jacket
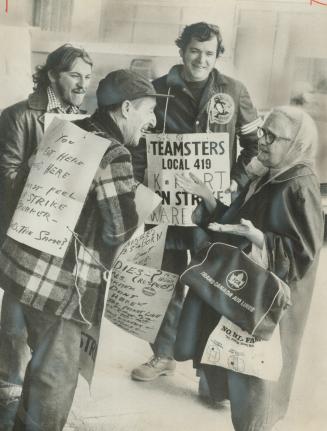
70 287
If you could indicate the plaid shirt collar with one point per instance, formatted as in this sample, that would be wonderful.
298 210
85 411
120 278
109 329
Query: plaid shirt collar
54 104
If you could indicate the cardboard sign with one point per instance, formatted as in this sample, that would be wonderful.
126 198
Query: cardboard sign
139 294
56 187
88 351
49 116
204 154
230 347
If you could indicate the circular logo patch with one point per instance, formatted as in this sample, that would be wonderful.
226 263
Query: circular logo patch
222 108
237 279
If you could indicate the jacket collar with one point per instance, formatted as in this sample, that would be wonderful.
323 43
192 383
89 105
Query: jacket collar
215 81
296 171
38 100
299 170
106 126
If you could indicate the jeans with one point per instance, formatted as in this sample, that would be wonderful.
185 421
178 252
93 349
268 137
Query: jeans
173 261
51 375
14 356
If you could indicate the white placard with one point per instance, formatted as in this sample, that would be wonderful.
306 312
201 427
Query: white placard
204 154
139 294
56 187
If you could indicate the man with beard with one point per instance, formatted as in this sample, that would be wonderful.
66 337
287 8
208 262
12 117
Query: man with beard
204 100
60 87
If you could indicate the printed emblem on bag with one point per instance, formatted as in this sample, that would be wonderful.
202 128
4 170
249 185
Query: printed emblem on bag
235 362
149 291
221 108
237 279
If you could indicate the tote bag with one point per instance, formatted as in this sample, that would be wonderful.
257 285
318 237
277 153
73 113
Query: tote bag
238 288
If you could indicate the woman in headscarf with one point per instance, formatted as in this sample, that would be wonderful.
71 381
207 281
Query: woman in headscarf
279 212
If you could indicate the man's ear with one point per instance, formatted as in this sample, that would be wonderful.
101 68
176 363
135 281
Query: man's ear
52 76
126 108
181 53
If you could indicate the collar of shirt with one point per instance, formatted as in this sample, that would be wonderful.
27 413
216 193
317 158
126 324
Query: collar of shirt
54 104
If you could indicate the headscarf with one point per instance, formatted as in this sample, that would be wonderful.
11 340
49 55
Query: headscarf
300 128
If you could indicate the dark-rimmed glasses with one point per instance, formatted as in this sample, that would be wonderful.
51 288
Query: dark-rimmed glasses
269 136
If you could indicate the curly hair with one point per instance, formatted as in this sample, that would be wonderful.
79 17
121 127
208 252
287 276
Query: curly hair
60 60
202 32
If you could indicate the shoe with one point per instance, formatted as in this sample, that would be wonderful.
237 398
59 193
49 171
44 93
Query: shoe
153 369
215 404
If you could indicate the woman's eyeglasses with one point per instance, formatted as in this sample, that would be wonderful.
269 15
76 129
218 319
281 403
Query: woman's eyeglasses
269 136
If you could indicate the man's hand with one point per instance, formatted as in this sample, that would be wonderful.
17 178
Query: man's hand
245 228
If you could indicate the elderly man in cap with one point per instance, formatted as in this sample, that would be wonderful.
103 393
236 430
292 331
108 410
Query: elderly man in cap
126 104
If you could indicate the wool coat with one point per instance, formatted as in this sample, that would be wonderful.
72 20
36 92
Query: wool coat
287 210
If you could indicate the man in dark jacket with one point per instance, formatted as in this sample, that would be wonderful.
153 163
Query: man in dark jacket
204 101
57 296
60 87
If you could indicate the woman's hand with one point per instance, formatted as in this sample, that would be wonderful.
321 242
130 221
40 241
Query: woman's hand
245 228
194 185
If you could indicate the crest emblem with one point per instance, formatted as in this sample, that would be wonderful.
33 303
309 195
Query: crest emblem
221 108
237 279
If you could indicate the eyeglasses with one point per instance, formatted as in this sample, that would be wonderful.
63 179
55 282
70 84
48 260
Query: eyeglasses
269 136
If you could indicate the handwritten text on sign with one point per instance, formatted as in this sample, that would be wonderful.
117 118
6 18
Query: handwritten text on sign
140 291
56 187
146 249
204 154
138 298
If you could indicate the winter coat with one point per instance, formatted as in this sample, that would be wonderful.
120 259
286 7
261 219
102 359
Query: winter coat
287 210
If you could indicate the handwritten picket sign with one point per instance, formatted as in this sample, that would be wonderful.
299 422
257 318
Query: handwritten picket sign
49 116
204 154
56 188
139 294
146 249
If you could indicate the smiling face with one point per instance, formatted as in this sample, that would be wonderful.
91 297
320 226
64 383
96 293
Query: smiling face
139 117
274 155
70 86
199 59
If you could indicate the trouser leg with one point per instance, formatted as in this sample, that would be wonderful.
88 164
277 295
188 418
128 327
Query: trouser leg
14 356
52 373
250 398
173 261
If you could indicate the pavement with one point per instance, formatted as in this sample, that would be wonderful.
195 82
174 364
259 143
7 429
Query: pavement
117 403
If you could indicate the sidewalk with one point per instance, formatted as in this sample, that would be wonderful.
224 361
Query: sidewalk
170 404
